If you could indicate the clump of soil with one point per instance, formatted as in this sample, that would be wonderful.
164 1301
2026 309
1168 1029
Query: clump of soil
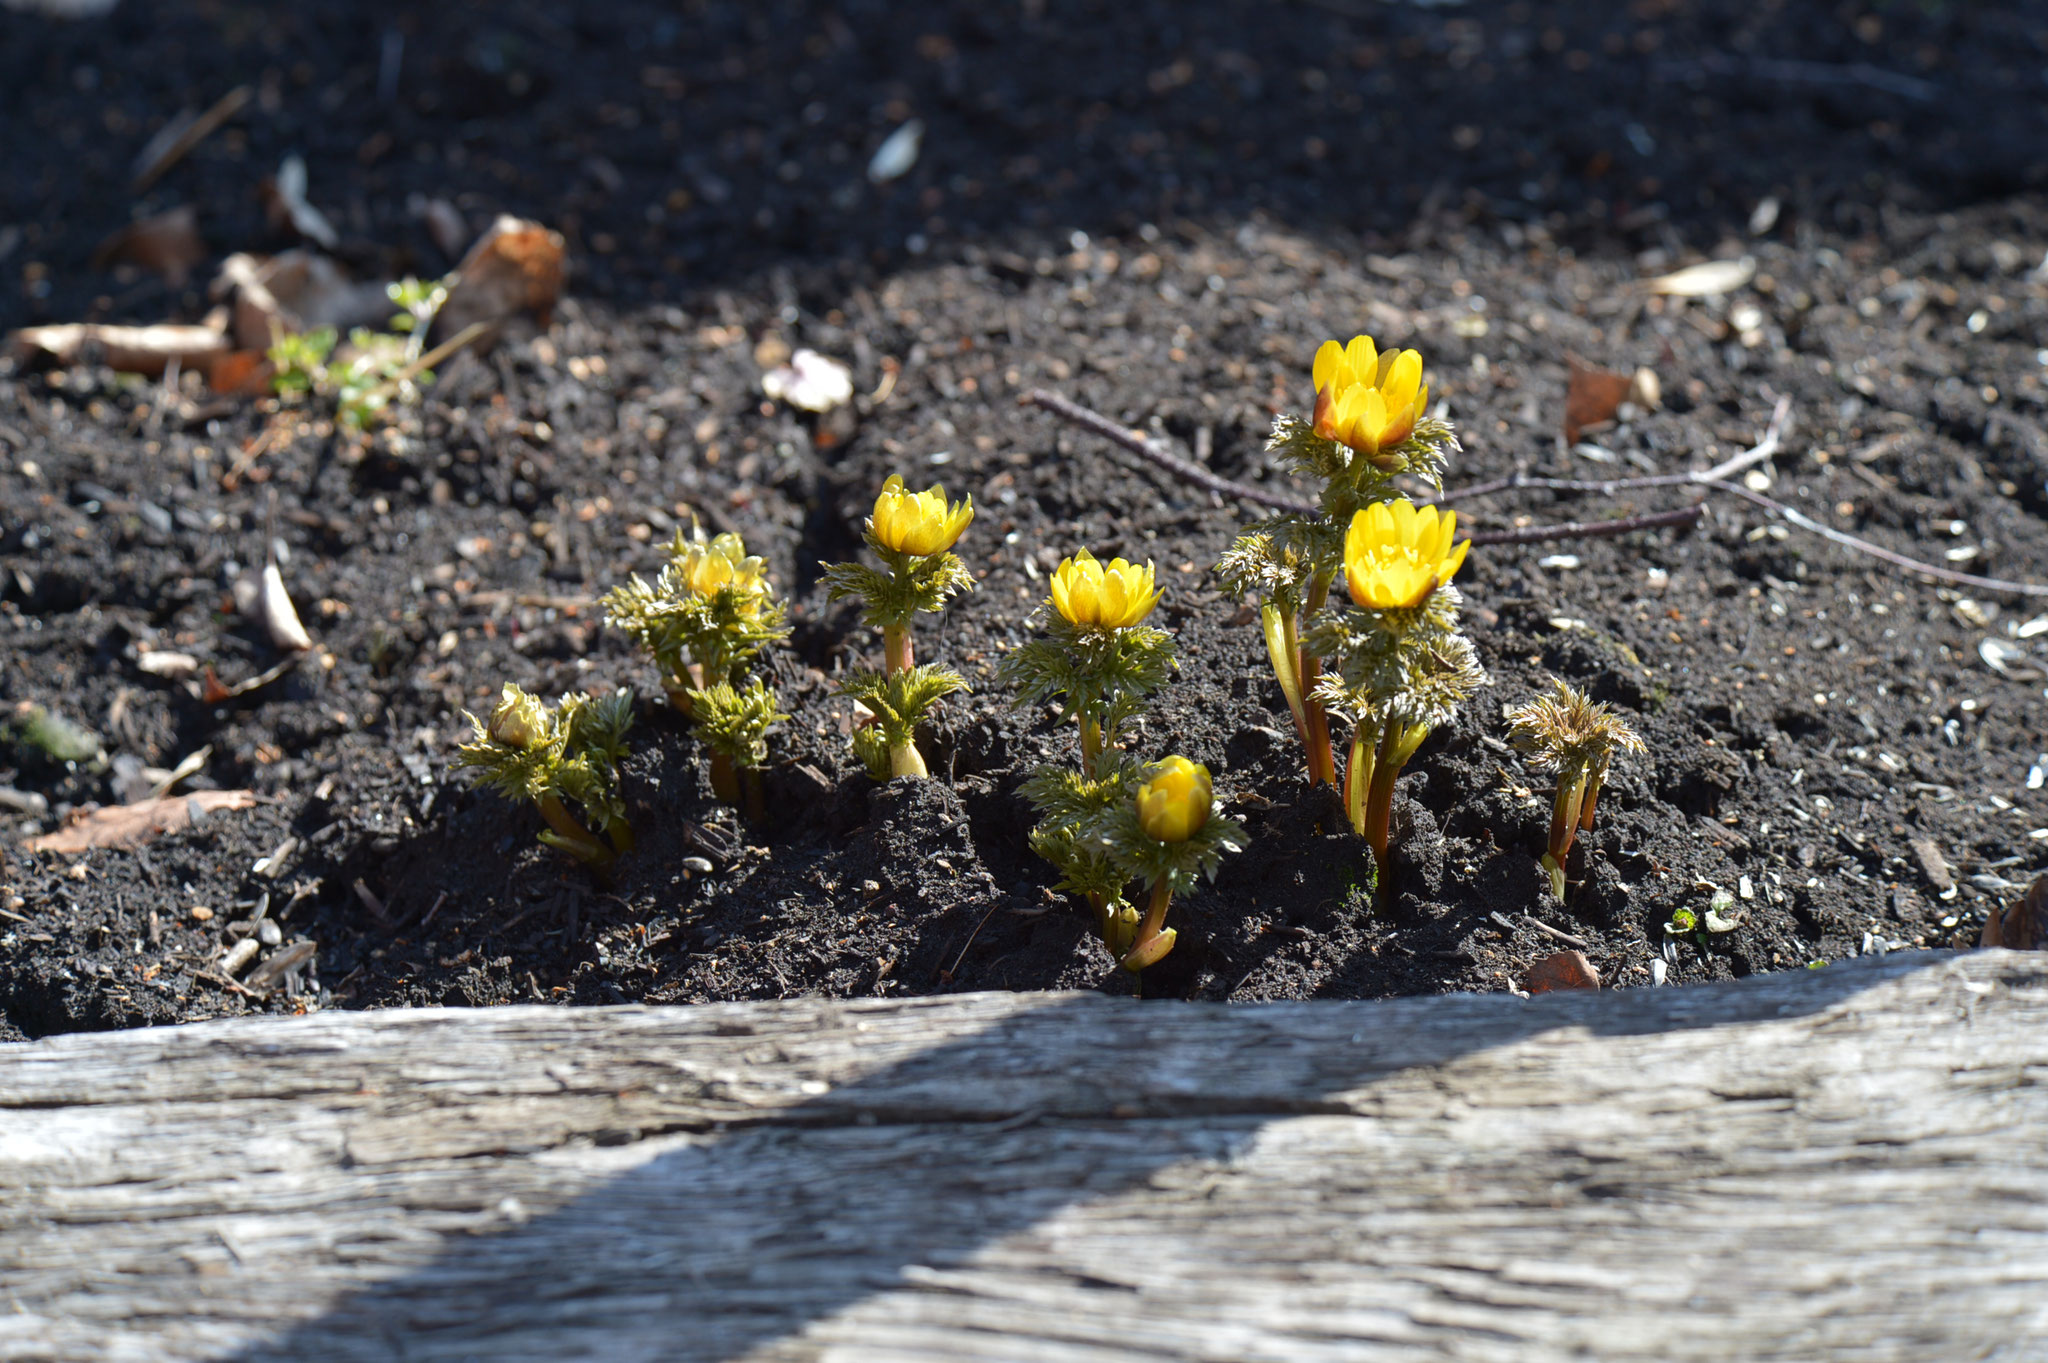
1160 216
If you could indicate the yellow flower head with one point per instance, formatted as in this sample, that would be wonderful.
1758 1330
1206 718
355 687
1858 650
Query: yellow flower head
1091 596
519 721
1396 554
708 567
918 523
1174 804
1366 399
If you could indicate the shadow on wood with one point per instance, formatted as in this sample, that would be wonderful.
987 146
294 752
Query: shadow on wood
1796 1166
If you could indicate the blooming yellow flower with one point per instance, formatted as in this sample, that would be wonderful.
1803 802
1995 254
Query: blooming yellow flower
706 568
1091 596
1396 554
1174 804
1366 399
918 523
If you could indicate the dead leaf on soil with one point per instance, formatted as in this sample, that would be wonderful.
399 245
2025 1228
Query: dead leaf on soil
1594 396
514 267
285 204
2024 926
296 291
127 825
131 350
167 244
1705 279
241 374
1562 970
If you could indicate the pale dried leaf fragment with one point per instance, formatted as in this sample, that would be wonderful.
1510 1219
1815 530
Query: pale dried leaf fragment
280 619
296 291
813 382
130 350
128 825
1705 279
169 665
289 205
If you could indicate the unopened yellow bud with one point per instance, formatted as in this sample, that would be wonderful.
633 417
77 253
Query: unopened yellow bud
918 523
519 721
1090 596
708 567
1175 803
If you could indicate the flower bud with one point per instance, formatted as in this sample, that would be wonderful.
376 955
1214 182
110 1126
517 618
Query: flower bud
1175 803
519 721
918 523
1090 596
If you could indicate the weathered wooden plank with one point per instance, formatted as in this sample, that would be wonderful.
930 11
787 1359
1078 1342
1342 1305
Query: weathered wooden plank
1848 1164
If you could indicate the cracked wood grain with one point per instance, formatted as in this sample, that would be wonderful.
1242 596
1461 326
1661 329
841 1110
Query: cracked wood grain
1842 1164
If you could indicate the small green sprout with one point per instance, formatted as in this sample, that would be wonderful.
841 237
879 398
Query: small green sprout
734 722
708 614
1573 737
569 752
298 360
913 534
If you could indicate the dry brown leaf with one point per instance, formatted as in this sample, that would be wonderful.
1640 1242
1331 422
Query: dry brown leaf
127 825
241 374
2024 926
131 350
1563 970
1592 396
167 244
296 291
514 267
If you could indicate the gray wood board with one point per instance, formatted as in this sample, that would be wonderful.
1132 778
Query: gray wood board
1850 1163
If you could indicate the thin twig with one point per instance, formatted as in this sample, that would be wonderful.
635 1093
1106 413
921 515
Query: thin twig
1755 454
947 975
1589 530
1548 931
1155 451
1863 546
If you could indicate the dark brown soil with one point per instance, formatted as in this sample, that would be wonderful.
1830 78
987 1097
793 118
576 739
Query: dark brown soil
1159 210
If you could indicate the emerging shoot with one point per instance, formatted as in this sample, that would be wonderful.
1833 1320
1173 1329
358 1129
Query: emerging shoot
1102 661
709 613
1573 737
913 534
733 722
556 756
1169 836
1367 427
1401 666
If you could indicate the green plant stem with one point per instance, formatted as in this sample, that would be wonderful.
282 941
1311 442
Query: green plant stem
1594 781
897 651
1358 775
1092 744
905 760
1379 802
621 834
725 779
576 839
1322 757
1280 648
1565 812
756 795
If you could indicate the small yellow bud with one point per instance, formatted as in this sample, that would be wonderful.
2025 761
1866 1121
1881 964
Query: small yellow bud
1091 596
1174 804
918 523
519 721
1396 554
708 567
1368 400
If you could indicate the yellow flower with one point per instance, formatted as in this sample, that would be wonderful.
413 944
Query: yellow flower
520 721
1395 554
1366 399
707 567
1091 596
1174 804
918 523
